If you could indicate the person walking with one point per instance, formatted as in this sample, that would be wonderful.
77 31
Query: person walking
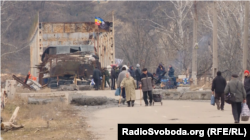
247 87
138 75
121 76
107 77
113 77
236 88
132 72
96 76
218 87
129 84
147 85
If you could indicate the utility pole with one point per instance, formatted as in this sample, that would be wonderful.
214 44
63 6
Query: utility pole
215 47
245 47
113 31
195 47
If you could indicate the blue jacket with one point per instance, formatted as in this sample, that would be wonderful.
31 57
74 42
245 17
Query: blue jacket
171 72
159 71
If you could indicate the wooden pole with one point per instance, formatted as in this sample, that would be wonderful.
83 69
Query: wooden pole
113 31
215 46
245 47
195 47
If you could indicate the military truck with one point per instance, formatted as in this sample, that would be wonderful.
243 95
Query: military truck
62 64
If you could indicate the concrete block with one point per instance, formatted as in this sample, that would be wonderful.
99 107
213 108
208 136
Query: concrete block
157 91
10 88
196 95
183 89
84 87
170 95
70 96
66 88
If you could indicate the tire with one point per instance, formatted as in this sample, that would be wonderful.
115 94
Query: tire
53 85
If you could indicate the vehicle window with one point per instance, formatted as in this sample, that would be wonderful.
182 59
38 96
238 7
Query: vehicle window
74 49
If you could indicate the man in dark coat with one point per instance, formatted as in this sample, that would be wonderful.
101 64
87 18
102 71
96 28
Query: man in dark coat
171 74
159 72
171 71
131 71
96 76
147 85
113 77
117 72
218 87
138 75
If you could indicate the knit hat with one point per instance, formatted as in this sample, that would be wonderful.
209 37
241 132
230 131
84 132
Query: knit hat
235 75
137 65
145 69
246 71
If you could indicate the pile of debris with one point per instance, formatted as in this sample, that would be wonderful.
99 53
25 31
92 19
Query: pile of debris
12 123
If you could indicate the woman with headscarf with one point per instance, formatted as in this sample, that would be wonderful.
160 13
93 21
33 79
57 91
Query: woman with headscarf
129 84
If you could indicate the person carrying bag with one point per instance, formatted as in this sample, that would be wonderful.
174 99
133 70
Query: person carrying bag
235 95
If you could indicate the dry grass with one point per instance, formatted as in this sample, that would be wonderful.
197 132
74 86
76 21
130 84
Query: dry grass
64 123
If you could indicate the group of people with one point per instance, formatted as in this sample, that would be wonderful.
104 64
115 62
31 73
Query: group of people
144 80
130 79
97 74
160 72
241 91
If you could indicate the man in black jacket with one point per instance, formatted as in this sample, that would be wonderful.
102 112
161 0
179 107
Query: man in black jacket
113 77
96 76
218 87
147 85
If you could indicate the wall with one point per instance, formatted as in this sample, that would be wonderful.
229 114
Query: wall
189 95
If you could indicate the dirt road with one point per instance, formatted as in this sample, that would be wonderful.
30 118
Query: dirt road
104 122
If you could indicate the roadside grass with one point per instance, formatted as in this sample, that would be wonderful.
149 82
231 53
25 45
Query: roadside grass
56 121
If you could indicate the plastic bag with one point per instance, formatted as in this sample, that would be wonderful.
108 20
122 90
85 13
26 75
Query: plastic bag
92 82
118 92
212 100
245 113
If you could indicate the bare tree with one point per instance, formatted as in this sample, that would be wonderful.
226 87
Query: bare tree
230 35
173 27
